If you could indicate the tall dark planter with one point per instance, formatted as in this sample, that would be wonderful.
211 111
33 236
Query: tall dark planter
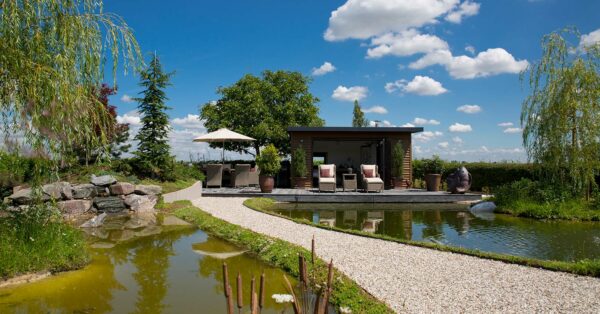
266 183
433 182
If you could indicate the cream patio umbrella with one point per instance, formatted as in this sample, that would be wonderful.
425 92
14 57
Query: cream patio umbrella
222 135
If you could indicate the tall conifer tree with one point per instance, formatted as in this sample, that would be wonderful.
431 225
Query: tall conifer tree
358 118
153 153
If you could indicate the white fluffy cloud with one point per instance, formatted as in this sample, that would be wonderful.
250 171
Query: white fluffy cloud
132 118
470 109
490 62
513 130
127 99
426 136
421 121
323 69
375 109
590 39
405 43
408 125
443 144
384 123
420 85
191 121
467 8
460 128
505 124
363 19
353 93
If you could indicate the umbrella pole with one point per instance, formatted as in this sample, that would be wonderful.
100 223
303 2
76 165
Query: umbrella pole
223 153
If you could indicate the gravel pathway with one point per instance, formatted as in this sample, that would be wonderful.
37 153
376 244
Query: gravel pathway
414 279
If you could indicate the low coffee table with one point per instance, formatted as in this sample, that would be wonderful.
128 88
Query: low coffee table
349 181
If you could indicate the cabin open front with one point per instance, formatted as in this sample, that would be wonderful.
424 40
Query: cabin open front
349 147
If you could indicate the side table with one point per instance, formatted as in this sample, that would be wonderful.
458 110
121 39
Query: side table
349 181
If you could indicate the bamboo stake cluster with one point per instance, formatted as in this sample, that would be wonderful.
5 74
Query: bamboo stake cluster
305 299
257 300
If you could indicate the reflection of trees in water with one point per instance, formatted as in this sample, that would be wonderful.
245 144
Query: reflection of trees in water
151 259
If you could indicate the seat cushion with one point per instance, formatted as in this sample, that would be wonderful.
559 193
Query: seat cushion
373 180
326 171
327 180
369 171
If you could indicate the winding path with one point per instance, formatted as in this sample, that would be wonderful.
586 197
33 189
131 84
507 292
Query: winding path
414 279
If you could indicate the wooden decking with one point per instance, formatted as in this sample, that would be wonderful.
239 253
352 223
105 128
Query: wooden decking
313 196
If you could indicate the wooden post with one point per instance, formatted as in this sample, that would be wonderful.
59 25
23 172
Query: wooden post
240 295
261 295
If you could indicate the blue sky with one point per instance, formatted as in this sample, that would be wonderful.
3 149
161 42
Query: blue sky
434 56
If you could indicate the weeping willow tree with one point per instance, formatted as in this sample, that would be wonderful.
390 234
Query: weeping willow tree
53 55
561 116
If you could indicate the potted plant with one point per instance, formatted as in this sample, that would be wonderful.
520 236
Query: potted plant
433 169
398 165
299 168
269 164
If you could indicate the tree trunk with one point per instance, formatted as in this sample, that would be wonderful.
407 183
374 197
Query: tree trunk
257 149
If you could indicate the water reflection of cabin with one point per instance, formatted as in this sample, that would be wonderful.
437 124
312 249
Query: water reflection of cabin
349 147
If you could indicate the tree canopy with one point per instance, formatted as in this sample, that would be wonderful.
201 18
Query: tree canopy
263 108
153 153
52 60
561 116
358 116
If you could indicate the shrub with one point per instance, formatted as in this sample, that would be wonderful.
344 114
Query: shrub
434 165
269 161
487 176
299 162
398 160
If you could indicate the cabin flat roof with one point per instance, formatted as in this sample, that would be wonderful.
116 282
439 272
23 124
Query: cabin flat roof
356 129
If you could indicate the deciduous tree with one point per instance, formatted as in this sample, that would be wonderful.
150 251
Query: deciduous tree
263 108
52 59
561 116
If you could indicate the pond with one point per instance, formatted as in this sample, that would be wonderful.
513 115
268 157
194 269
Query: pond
172 272
454 225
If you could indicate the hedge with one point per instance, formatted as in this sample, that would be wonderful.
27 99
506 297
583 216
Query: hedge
487 176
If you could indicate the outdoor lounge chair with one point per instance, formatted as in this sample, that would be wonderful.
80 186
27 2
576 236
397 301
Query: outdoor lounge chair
370 178
327 179
253 176
242 174
214 175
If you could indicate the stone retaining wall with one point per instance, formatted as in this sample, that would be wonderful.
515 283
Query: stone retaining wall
102 195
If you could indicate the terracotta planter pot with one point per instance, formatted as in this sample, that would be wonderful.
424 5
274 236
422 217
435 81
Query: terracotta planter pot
399 183
266 183
301 183
433 182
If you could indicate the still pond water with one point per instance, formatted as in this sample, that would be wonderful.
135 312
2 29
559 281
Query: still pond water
165 273
454 225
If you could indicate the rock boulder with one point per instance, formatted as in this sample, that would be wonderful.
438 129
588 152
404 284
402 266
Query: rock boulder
109 204
141 203
105 180
84 191
74 207
483 207
25 196
94 222
147 189
58 190
122 188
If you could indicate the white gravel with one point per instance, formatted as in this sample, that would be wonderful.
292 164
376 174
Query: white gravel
414 279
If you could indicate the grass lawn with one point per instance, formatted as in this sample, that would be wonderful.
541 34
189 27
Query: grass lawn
282 254
568 210
31 247
585 267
